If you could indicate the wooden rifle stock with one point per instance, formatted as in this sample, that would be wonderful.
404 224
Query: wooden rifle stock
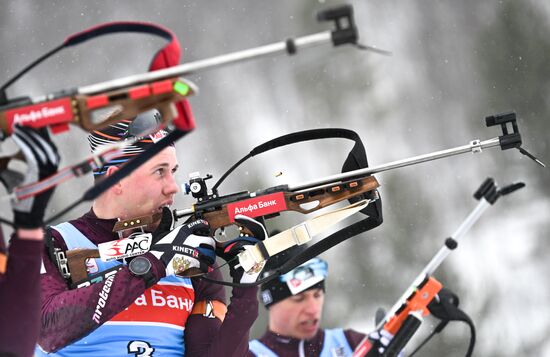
97 110
321 197
76 260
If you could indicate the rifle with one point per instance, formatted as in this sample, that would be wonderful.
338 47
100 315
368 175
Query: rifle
95 106
425 294
355 184
220 210
92 109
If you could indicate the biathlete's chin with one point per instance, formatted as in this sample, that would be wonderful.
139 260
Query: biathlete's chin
167 204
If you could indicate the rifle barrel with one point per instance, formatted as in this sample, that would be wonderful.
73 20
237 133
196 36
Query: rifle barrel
474 146
193 67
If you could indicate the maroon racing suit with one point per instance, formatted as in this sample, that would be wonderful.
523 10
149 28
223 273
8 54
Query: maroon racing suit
19 296
283 346
67 314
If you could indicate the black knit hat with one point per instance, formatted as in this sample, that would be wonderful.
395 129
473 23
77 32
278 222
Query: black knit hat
126 129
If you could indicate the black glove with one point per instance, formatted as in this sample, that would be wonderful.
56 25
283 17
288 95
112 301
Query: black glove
184 248
231 249
382 336
166 224
10 178
42 161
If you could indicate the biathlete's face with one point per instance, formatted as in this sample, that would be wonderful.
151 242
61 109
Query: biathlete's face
151 186
298 316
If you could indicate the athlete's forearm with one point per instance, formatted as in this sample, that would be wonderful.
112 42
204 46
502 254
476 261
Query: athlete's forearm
68 315
19 298
230 338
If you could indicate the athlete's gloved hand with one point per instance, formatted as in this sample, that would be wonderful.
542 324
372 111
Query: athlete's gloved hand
10 178
381 339
186 247
42 161
231 249
166 224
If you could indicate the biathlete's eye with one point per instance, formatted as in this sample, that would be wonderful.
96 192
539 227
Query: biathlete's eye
160 171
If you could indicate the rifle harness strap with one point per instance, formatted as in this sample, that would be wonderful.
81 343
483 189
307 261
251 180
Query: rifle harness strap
357 159
297 235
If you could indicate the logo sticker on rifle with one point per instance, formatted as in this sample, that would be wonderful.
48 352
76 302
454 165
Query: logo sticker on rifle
125 248
42 114
258 206
91 266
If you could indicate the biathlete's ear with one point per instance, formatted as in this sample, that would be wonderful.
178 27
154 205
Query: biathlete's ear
117 187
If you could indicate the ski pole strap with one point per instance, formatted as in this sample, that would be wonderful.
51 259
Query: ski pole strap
444 306
297 235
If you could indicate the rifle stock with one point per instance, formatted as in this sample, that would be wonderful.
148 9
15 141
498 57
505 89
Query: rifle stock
95 111
220 216
94 106
76 260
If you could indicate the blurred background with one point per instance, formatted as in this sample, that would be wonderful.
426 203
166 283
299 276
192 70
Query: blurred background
453 63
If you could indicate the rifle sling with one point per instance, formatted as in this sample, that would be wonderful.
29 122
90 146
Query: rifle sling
357 159
297 235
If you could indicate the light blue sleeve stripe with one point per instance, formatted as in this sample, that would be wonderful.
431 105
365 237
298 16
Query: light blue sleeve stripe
260 350
73 237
